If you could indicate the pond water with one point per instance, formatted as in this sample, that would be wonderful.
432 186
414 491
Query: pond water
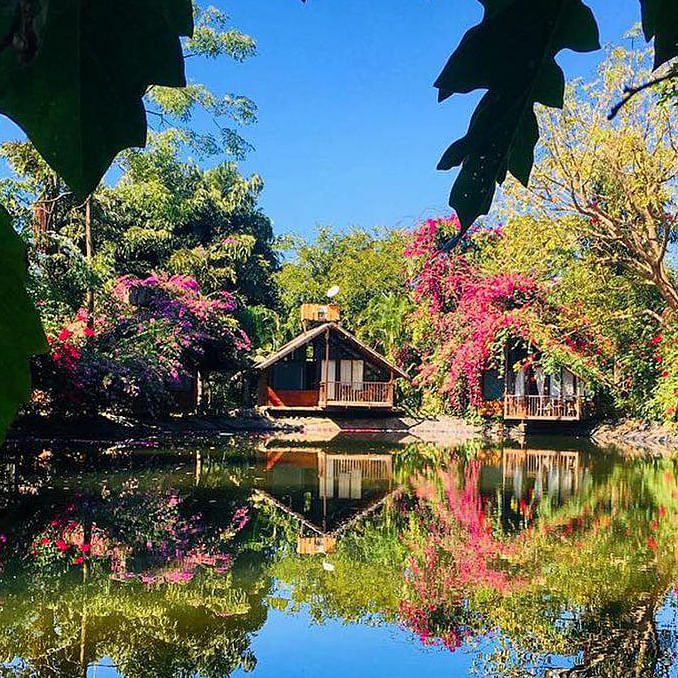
280 557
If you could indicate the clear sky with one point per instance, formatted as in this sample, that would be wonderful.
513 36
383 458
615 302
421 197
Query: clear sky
349 130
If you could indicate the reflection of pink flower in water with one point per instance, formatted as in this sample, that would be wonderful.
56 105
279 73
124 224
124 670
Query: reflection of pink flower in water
179 577
179 552
460 553
241 518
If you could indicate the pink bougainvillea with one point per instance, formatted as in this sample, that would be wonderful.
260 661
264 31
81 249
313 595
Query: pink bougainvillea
465 315
148 338
458 552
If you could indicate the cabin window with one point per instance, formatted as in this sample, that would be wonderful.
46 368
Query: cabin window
493 385
288 376
310 353
555 385
569 383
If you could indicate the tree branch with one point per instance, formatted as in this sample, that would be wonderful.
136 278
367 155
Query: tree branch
630 92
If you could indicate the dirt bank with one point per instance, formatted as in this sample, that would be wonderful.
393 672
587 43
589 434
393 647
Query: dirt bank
112 429
441 430
637 437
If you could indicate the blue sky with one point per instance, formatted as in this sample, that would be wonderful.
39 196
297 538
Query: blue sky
349 130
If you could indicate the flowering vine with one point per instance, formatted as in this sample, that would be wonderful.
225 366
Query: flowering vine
465 316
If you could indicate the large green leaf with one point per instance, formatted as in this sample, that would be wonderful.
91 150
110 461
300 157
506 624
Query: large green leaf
660 21
21 335
75 76
511 55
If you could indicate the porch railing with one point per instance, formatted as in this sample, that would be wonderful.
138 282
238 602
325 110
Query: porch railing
356 393
543 407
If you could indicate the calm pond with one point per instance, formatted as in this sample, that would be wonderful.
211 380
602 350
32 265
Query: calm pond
279 558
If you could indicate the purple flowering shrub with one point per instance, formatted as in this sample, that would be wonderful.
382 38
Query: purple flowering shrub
144 345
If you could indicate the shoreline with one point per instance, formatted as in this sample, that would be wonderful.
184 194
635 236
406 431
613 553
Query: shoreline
629 436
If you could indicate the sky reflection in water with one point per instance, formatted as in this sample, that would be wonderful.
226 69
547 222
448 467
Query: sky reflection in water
292 558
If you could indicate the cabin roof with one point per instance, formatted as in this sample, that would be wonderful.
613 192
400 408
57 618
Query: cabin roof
305 337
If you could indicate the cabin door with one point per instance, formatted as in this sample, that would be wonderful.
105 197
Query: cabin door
519 387
555 384
352 374
329 372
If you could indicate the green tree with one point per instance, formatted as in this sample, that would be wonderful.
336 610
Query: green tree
366 265
97 63
616 180
168 214
108 79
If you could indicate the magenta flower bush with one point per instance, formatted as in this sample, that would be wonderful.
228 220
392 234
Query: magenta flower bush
465 316
143 346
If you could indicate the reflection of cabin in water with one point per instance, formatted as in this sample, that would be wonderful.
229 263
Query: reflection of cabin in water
557 474
325 492
327 368
527 392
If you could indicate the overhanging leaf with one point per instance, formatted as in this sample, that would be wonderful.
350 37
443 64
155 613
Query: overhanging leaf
660 21
511 54
78 93
21 334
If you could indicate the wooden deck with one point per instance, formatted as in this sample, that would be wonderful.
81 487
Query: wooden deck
356 394
544 408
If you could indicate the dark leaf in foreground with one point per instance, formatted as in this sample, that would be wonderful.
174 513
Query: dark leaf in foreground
75 73
511 55
21 335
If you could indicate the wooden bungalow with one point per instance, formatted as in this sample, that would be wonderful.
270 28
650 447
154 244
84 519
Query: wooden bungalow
327 368
530 393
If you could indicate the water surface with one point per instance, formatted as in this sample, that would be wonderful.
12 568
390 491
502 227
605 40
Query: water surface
281 557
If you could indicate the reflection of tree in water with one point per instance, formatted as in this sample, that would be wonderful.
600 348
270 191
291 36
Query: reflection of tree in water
574 583
578 592
365 584
161 581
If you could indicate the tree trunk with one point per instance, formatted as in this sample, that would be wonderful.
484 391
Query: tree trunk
89 253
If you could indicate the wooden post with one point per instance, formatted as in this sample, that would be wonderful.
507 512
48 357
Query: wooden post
89 253
199 392
506 379
327 365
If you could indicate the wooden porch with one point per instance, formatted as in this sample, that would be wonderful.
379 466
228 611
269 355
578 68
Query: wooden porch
545 407
356 394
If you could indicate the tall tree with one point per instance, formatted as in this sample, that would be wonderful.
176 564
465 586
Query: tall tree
617 179
366 265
